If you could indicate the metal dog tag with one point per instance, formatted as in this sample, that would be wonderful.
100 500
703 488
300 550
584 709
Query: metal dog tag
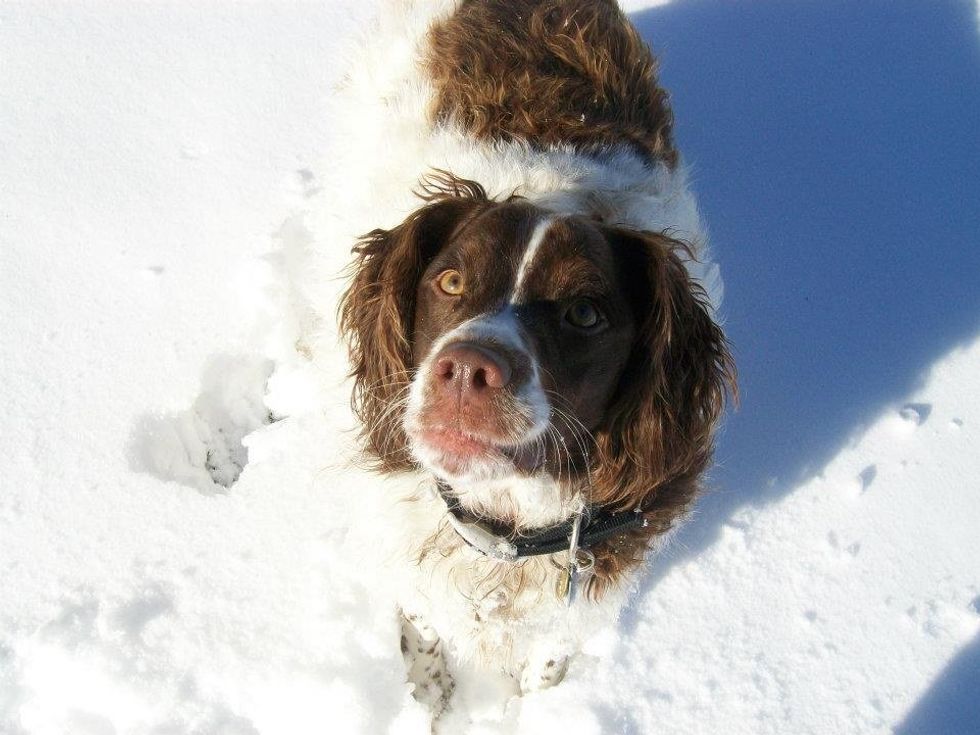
563 585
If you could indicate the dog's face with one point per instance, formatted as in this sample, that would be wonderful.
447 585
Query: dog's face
494 340
522 328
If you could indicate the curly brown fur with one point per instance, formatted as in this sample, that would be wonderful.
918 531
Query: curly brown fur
658 439
550 72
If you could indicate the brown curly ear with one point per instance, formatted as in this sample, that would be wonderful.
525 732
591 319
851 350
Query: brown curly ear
657 438
378 308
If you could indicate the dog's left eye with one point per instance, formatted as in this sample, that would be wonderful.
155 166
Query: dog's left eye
451 282
583 314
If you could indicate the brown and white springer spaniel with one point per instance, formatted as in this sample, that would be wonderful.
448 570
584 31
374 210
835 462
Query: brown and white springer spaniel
533 337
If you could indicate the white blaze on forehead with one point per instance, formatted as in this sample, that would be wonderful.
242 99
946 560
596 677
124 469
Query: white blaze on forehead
530 252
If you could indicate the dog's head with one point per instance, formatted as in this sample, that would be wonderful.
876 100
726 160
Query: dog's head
495 340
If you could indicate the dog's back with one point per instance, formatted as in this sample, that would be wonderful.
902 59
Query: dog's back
550 73
554 100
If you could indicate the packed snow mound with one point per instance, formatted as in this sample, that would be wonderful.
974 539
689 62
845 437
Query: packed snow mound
202 446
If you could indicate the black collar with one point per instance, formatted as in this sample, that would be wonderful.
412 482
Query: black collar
491 539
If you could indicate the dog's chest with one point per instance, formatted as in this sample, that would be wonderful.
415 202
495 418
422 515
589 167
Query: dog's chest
487 610
497 615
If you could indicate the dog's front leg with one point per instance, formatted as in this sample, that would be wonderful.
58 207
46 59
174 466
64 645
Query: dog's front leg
425 661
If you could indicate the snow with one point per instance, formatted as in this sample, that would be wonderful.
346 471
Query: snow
159 164
633 6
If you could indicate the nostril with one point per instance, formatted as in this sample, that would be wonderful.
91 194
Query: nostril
480 378
445 368
496 374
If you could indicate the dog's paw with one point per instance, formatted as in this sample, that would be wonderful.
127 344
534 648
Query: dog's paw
425 661
543 673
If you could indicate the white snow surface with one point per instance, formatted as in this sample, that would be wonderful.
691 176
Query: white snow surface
633 6
185 539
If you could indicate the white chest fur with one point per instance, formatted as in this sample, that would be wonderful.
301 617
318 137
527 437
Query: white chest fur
495 615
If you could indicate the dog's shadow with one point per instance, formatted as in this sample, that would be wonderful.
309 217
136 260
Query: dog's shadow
835 154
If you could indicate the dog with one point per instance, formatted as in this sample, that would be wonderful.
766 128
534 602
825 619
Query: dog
531 322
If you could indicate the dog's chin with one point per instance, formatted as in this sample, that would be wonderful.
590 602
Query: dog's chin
458 456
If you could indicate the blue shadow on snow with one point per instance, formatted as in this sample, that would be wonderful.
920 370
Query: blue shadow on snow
835 149
836 154
951 704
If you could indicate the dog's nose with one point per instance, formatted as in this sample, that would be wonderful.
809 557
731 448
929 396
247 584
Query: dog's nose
471 369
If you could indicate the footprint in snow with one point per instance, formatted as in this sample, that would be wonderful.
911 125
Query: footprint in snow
916 413
149 604
202 446
908 418
867 476
304 183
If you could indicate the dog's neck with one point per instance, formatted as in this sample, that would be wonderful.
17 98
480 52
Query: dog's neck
520 503
587 526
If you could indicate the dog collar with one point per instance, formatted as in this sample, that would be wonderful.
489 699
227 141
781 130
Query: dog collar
585 529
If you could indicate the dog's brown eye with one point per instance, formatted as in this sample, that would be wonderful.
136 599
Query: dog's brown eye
583 314
451 282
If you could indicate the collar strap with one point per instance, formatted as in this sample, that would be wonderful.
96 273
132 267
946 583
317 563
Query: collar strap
597 525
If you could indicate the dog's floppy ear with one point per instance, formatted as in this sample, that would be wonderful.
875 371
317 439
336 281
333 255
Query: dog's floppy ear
658 434
378 309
